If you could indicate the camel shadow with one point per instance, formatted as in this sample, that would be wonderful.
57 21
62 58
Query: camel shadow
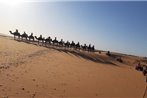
86 55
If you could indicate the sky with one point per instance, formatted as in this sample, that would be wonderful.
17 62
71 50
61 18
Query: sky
119 26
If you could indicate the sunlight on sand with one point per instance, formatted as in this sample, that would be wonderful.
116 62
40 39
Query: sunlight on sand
28 71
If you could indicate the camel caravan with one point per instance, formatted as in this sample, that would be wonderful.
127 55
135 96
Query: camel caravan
51 42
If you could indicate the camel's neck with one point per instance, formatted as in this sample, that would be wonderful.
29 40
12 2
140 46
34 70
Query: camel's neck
11 33
15 33
36 37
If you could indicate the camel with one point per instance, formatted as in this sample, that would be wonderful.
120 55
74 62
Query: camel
72 45
24 35
61 43
67 44
84 47
77 46
48 41
89 48
55 41
31 37
16 33
40 39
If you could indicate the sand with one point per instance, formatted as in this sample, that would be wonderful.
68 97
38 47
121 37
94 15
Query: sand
33 71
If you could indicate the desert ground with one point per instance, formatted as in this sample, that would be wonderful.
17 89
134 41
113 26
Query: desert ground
28 70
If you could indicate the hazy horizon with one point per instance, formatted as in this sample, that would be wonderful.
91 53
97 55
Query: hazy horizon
115 26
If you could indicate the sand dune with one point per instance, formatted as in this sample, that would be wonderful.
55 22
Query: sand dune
33 71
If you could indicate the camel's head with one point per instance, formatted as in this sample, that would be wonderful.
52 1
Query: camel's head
10 31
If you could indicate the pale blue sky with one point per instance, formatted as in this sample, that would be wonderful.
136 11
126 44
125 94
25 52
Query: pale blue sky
114 26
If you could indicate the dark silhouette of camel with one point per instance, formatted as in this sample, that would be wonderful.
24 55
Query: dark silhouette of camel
48 41
67 44
40 39
61 43
24 35
77 46
55 42
84 47
31 37
16 33
91 49
72 45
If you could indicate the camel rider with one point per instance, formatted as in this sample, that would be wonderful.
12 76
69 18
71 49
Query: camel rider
40 36
16 30
93 48
89 46
72 42
55 38
68 42
61 40
24 33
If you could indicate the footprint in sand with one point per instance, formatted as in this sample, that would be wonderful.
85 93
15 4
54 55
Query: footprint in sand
23 89
3 90
34 79
37 85
17 77
28 91
17 93
5 97
33 95
63 84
